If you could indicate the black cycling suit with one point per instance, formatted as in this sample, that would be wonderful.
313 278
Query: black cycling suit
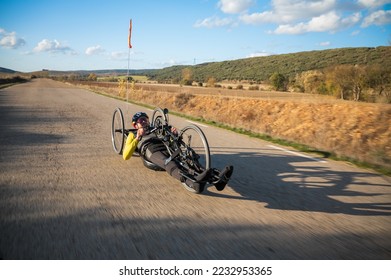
153 150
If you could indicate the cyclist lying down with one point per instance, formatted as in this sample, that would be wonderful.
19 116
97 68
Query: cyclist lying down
151 148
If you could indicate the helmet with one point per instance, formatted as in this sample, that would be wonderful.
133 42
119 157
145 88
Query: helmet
137 116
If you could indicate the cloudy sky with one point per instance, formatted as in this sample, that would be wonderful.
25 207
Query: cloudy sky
89 35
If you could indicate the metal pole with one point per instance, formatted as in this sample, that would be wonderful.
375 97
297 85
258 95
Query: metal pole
127 73
127 84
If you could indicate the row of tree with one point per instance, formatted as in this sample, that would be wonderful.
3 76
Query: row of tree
370 83
76 77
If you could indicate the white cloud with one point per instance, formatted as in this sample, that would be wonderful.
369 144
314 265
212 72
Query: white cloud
300 9
377 18
329 22
235 6
95 50
288 11
355 33
170 62
212 22
256 54
324 44
350 21
119 56
373 3
227 7
54 46
324 22
301 16
10 40
259 18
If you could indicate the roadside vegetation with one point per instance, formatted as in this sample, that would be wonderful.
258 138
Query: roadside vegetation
9 81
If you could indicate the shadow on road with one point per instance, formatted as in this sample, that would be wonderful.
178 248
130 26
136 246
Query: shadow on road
95 234
288 182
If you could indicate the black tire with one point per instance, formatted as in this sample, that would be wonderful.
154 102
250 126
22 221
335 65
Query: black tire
118 131
195 145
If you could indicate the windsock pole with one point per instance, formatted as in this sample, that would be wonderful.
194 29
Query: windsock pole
127 73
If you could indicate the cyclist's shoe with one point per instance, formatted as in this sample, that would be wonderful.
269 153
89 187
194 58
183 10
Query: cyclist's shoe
225 175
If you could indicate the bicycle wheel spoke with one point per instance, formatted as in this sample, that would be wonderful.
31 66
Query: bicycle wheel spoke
195 147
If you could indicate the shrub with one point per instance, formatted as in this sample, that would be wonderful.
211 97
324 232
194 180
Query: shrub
278 81
182 99
187 82
211 82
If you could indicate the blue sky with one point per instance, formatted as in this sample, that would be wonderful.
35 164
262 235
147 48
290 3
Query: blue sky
91 35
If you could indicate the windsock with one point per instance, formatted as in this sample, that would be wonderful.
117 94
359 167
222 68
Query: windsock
130 34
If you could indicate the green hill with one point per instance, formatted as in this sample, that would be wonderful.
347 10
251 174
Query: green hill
256 69
7 71
261 68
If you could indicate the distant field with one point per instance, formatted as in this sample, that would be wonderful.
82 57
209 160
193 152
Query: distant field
195 90
138 78
359 131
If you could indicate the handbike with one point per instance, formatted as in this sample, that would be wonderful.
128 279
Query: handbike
188 148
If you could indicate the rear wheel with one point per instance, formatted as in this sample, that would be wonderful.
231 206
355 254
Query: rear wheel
118 131
195 153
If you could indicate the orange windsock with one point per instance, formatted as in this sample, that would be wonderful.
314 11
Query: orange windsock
130 34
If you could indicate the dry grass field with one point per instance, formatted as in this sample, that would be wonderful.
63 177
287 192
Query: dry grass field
359 131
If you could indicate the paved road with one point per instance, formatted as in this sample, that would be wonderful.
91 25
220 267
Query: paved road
64 193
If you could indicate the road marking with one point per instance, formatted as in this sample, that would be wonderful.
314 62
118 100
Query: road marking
297 154
197 124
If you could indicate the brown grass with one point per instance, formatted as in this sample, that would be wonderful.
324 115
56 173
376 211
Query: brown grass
361 131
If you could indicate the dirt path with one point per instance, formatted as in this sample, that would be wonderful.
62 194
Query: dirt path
64 193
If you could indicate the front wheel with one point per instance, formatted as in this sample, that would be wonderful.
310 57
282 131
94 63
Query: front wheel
195 153
159 120
118 131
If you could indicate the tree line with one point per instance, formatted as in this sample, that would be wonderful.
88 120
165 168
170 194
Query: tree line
370 83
